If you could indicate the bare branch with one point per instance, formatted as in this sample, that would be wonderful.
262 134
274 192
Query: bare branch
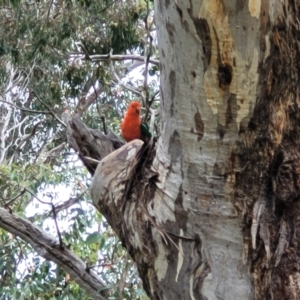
125 86
49 248
81 46
67 203
24 139
107 6
55 149
4 128
54 216
36 197
10 201
149 105
48 14
17 125
26 109
148 39
91 159
97 57
50 111
88 97
56 226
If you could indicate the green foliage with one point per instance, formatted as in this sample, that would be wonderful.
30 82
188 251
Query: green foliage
45 73
93 238
122 31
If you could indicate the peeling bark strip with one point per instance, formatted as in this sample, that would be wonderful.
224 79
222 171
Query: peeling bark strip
270 157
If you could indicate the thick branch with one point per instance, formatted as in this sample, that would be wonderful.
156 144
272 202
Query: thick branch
49 248
90 143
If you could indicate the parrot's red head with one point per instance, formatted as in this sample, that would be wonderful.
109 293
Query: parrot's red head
134 108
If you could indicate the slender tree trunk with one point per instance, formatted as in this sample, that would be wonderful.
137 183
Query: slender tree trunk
211 210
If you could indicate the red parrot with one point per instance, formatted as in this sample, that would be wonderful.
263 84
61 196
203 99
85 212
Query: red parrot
132 127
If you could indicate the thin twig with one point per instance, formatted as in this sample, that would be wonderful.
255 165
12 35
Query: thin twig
56 148
10 201
36 197
50 111
18 124
133 90
146 58
81 46
54 215
48 14
56 225
25 138
153 97
150 104
107 6
67 203
91 159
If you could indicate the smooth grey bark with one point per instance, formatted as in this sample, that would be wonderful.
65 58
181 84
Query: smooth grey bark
208 81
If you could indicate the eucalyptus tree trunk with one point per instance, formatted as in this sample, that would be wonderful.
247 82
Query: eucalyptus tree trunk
210 210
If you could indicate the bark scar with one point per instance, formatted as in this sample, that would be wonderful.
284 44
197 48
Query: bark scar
199 126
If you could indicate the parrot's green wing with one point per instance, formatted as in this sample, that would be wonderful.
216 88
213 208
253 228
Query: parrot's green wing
145 133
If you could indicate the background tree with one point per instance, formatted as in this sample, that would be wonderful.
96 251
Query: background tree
58 58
